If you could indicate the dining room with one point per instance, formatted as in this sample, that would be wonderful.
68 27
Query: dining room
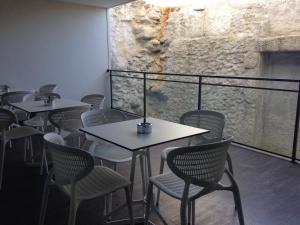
149 112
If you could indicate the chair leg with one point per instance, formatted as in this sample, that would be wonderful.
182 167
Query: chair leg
237 198
183 212
193 212
31 150
44 161
148 203
2 160
184 204
25 150
109 198
44 203
161 170
129 204
189 212
73 210
238 205
162 164
229 163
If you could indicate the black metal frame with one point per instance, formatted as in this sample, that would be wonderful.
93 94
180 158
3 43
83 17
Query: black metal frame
200 83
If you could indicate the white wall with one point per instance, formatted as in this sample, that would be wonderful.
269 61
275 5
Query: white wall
51 42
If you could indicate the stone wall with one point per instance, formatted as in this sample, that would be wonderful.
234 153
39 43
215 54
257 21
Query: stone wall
225 38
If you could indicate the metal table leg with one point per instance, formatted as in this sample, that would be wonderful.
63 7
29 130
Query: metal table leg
145 164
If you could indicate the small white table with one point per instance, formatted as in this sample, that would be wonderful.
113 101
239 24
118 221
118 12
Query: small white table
38 106
124 134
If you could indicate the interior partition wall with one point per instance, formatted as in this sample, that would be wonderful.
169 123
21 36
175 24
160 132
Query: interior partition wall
45 42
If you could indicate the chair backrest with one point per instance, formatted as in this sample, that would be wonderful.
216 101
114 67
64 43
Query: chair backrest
44 96
67 119
48 88
98 117
201 165
13 97
96 100
7 118
52 95
4 88
69 164
209 120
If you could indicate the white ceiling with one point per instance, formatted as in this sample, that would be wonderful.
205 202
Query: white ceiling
98 3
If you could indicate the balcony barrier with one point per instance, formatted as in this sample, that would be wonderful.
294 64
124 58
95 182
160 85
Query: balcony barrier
262 113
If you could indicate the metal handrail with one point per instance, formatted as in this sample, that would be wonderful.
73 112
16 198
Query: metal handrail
208 76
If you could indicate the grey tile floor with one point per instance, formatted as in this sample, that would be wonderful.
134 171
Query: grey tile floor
270 192
269 186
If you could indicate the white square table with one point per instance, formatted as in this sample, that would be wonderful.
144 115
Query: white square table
124 134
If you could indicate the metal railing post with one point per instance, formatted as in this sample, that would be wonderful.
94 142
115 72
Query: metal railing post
296 130
199 92
111 91
145 107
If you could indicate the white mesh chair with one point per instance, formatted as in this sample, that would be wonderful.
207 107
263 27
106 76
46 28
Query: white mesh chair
68 122
96 100
4 88
38 121
197 171
45 89
205 119
101 149
48 88
14 97
67 119
74 173
104 151
7 120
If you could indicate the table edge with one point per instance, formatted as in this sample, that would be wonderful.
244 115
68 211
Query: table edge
148 146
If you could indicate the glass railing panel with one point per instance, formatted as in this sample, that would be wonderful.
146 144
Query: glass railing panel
169 100
128 94
259 118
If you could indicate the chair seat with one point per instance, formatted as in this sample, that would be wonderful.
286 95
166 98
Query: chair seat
173 185
99 182
110 152
166 151
20 114
21 132
71 125
36 121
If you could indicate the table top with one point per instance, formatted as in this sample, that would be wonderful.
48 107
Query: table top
38 106
124 134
